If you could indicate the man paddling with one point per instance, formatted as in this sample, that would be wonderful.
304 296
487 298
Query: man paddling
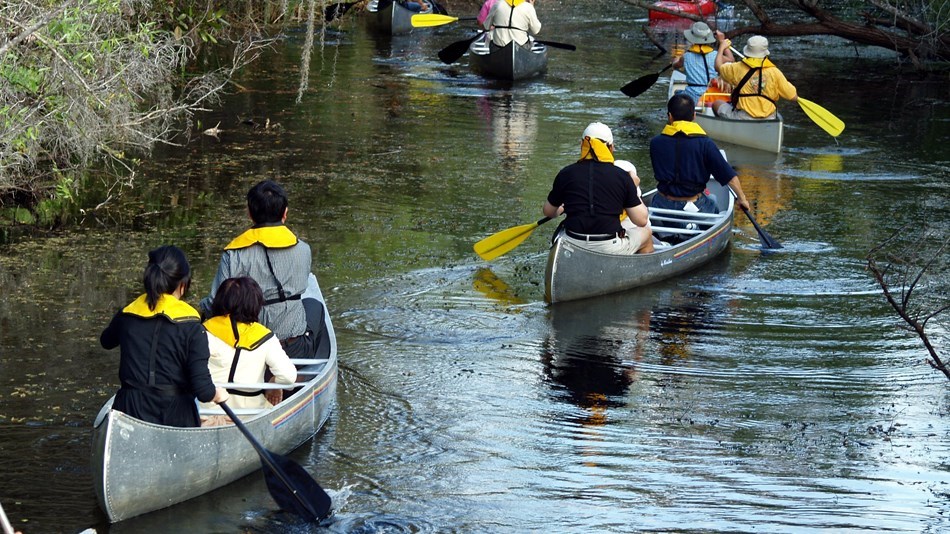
758 84
593 192
683 159
512 20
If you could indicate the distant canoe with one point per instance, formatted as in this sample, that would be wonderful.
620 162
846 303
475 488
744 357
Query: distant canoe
511 62
703 8
138 467
392 19
574 272
761 134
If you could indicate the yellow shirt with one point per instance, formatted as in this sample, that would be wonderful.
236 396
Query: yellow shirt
774 86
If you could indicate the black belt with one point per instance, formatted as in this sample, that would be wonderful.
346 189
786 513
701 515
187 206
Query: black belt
593 237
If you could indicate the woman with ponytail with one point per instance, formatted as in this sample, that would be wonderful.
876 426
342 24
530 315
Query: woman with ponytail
163 348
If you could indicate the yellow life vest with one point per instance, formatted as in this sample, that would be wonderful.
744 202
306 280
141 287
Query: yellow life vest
686 127
756 62
593 148
701 49
267 236
514 3
250 335
175 310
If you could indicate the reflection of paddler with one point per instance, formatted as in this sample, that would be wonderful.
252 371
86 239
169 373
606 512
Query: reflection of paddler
583 359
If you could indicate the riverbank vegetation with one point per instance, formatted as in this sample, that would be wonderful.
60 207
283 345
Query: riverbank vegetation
88 87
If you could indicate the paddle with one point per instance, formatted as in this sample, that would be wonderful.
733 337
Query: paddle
456 50
553 44
504 241
334 11
292 488
822 117
825 119
427 20
641 84
767 240
5 523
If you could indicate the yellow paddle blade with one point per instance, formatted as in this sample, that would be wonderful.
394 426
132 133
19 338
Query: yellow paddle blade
504 241
822 117
428 20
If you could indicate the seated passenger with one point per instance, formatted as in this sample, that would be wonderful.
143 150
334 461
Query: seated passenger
242 348
163 358
683 159
512 20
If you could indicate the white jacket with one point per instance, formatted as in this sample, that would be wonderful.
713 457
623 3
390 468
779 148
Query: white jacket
512 24
250 368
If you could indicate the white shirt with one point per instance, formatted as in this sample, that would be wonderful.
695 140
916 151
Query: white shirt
523 18
250 369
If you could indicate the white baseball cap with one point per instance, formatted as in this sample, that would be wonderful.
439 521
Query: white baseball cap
600 131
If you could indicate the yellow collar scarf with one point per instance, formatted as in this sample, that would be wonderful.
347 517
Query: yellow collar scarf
250 336
593 148
267 236
701 49
755 62
175 310
514 3
688 128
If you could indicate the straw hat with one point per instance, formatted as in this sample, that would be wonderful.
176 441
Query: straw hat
600 131
699 33
757 46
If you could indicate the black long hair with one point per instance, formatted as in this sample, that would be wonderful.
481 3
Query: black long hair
240 297
167 268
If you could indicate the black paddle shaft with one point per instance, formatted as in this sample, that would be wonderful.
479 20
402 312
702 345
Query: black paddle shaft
292 488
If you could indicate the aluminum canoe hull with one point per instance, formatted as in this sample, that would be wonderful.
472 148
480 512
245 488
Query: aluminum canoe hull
761 134
574 272
139 467
511 62
393 19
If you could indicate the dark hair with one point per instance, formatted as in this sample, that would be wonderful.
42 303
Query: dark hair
266 202
241 298
681 107
167 268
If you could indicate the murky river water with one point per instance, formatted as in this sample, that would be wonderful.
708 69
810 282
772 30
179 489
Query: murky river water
765 392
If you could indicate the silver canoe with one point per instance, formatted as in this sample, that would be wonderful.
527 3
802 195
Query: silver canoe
393 19
574 272
761 134
511 62
139 467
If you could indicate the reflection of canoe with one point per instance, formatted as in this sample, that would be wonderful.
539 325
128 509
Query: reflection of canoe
139 467
392 19
510 62
703 8
762 134
574 272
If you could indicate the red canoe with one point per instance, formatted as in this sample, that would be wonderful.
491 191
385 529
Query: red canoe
703 8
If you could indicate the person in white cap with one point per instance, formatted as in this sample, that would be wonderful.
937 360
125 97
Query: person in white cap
593 192
512 20
699 60
758 83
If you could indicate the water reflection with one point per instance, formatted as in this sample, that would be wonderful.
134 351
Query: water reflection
513 126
